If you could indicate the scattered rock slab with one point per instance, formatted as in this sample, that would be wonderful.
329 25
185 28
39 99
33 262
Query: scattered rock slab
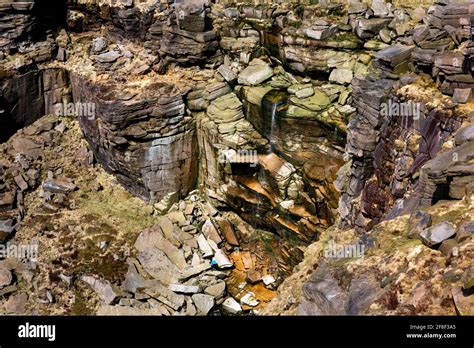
256 73
58 186
222 261
249 299
103 288
216 290
231 306
204 303
185 289
438 233
5 278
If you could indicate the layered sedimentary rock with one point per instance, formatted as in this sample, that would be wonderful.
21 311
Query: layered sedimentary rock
258 107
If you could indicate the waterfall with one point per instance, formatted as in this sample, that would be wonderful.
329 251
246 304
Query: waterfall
272 127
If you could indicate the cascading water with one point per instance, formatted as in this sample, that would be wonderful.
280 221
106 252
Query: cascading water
272 127
273 103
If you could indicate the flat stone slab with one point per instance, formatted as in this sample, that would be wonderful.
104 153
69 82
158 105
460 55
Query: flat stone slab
395 54
438 233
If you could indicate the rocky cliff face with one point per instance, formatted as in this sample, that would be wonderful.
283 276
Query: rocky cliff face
295 117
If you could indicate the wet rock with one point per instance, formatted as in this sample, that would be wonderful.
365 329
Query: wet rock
256 73
204 303
438 233
253 277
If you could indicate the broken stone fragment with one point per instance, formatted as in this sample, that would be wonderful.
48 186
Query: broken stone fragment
58 186
256 73
438 233
222 261
227 73
216 290
166 296
418 222
231 306
210 231
5 278
16 304
463 301
228 232
185 289
194 270
99 44
268 279
341 76
462 96
249 299
7 200
204 246
253 276
447 246
21 183
103 288
204 303
465 231
108 57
